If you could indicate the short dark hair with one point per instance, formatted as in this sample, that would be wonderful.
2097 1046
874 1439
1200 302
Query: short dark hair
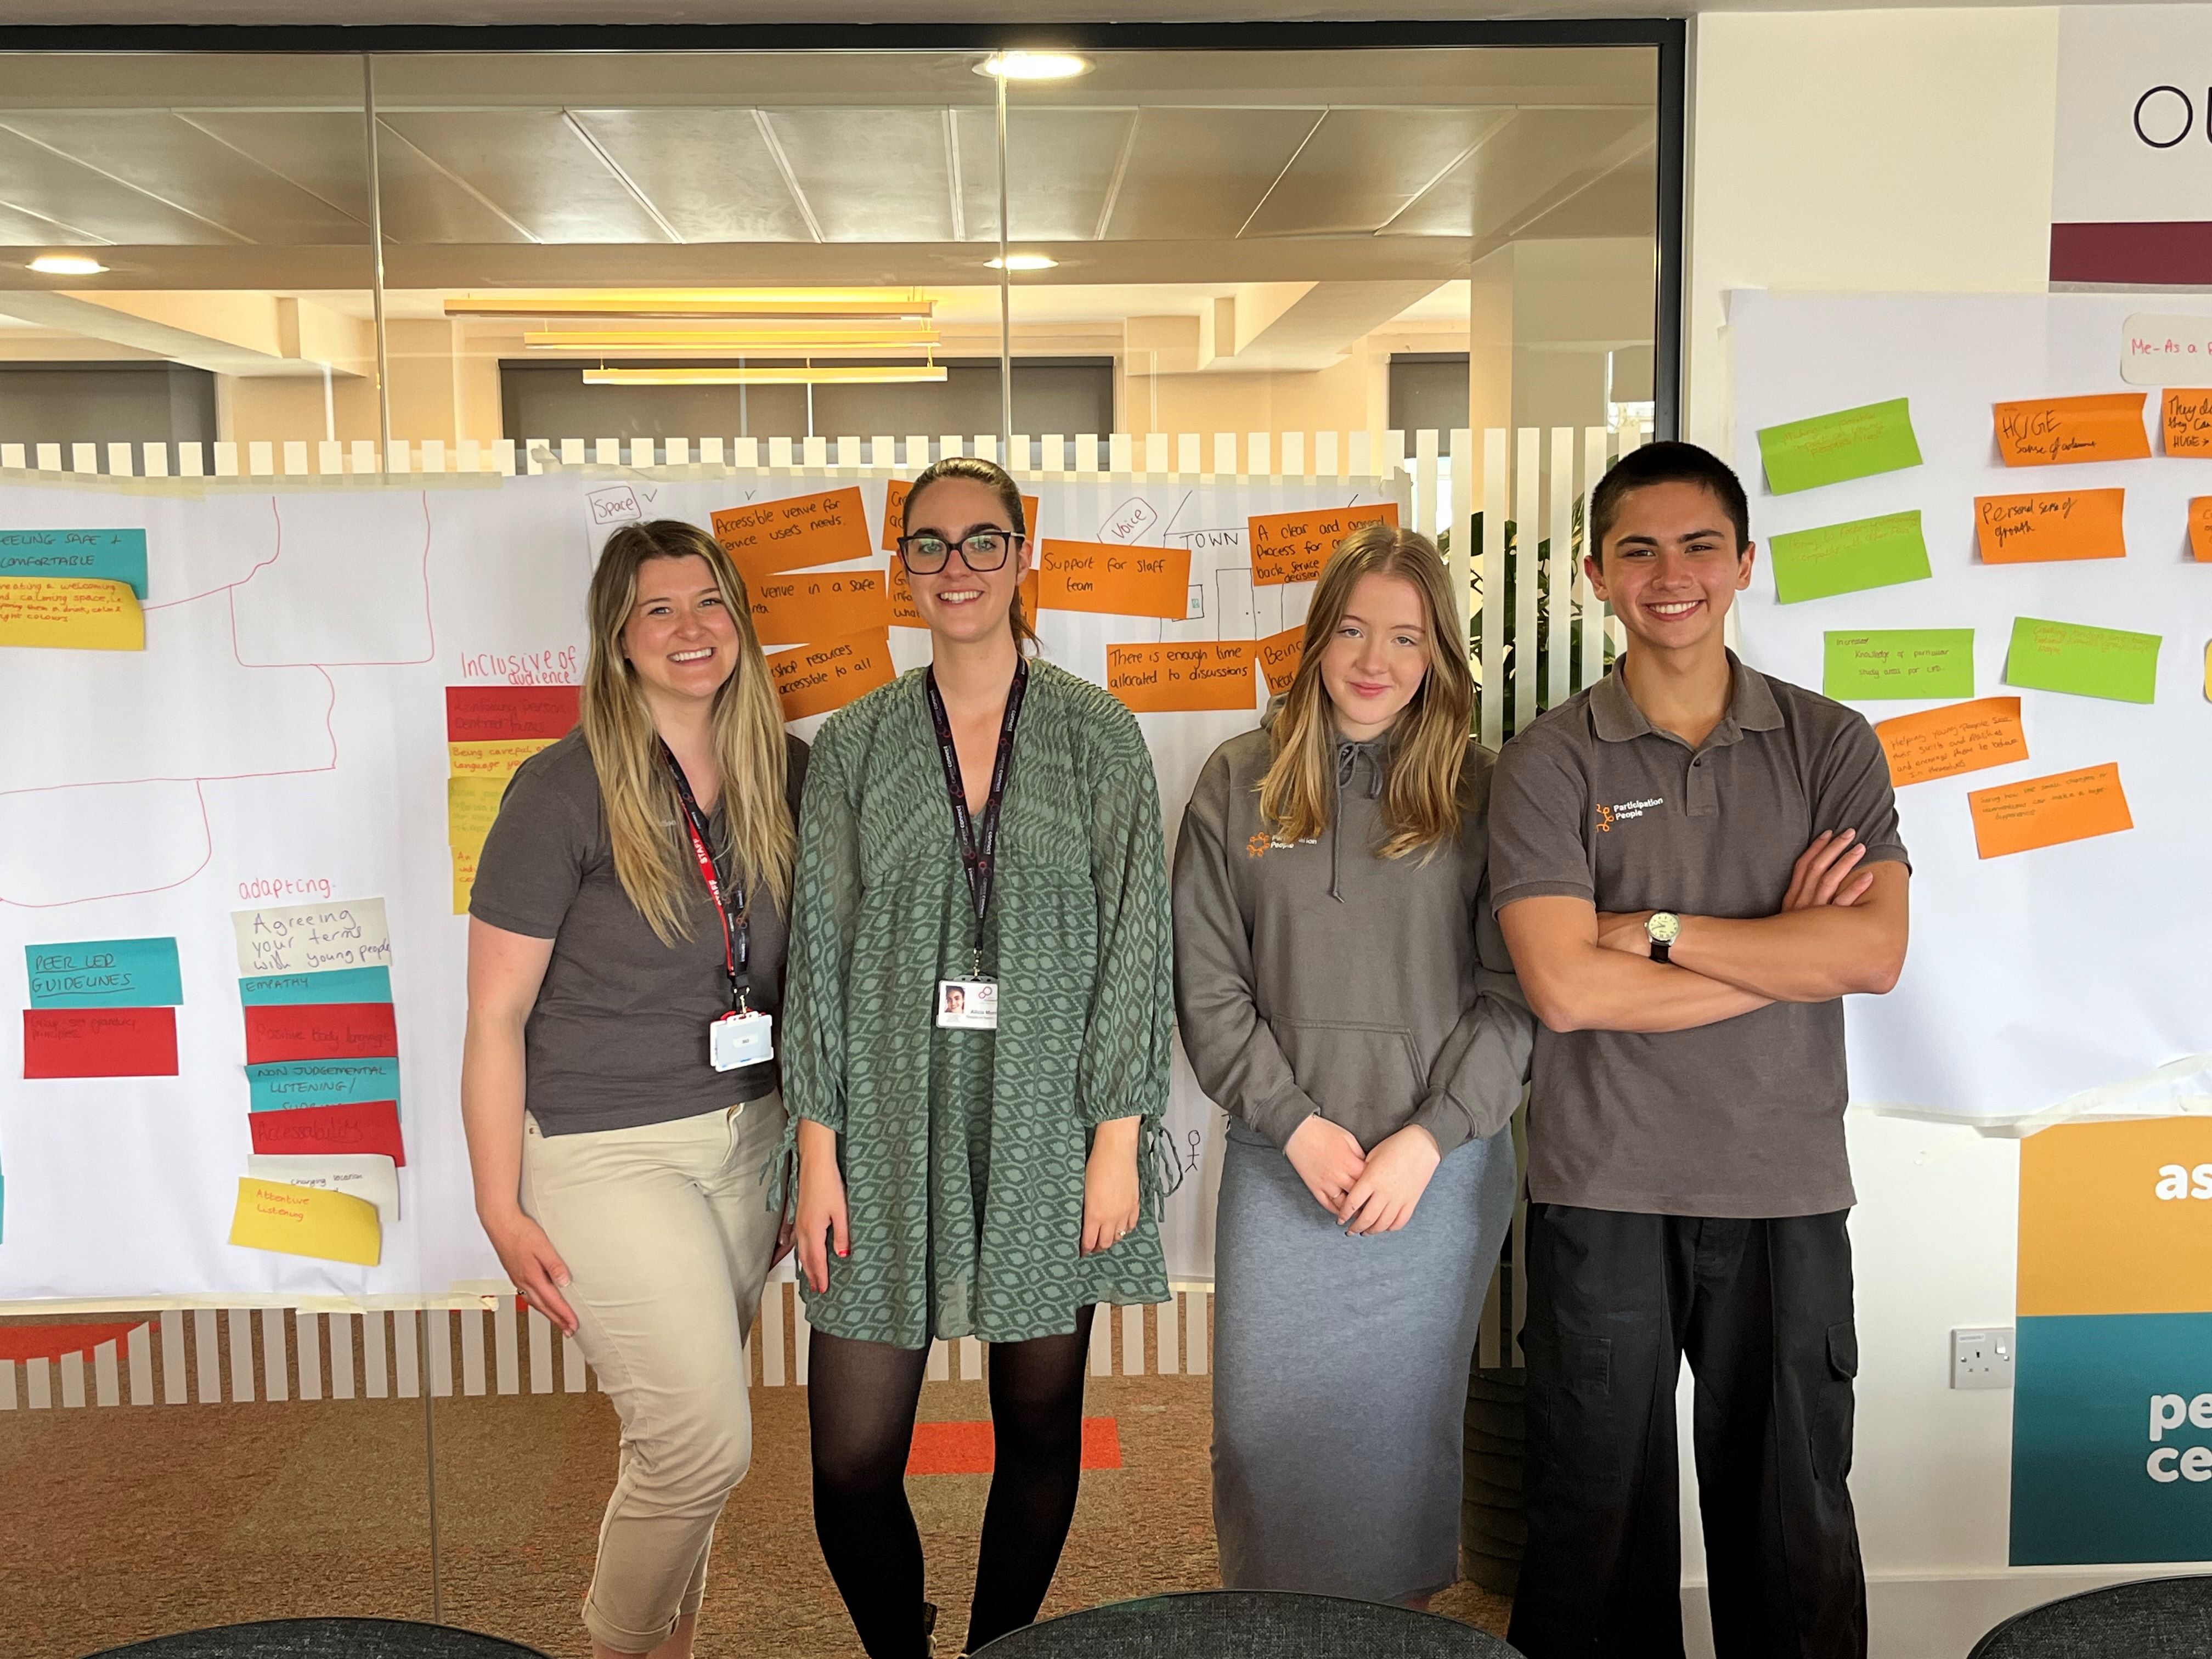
1665 463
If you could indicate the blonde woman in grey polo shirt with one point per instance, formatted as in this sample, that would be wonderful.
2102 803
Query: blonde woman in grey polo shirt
619 1148
1336 999
1694 863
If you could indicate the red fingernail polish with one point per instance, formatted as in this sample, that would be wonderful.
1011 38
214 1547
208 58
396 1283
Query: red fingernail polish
844 1253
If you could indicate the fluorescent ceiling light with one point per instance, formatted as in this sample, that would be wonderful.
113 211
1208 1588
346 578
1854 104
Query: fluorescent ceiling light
795 303
1033 66
814 336
66 264
1022 262
788 375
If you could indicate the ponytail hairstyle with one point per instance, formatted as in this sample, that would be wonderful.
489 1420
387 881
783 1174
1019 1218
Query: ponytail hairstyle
996 479
1421 803
635 791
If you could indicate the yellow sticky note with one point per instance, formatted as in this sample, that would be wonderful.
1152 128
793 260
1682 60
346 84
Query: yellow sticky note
472 804
464 879
71 615
492 760
330 1226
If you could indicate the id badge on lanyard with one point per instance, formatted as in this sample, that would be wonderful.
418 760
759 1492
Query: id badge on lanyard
745 1035
972 1003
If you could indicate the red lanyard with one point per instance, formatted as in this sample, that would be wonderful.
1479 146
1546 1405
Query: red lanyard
978 844
737 942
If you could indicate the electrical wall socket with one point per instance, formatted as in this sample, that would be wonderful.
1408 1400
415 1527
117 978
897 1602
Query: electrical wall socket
1982 1358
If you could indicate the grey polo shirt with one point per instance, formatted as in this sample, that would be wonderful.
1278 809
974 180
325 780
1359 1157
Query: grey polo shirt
1740 1118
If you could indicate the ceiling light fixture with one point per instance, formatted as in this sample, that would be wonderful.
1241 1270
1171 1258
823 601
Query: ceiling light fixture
66 264
796 304
1034 66
813 337
790 375
1021 262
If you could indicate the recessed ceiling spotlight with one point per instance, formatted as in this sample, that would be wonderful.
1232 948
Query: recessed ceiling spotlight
66 264
1033 66
1021 262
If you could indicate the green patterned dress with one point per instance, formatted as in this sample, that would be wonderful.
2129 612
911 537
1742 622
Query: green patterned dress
963 1152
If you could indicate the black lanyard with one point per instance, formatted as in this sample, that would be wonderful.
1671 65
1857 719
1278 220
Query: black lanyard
977 849
737 942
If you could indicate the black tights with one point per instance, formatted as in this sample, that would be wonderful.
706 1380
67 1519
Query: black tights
860 1405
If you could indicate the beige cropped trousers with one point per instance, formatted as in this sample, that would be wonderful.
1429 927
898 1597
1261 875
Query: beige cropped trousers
667 1236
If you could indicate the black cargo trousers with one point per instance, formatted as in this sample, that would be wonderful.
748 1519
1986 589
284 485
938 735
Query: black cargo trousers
1762 1308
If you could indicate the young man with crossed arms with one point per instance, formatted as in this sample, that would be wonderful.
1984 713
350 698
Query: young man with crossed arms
1692 863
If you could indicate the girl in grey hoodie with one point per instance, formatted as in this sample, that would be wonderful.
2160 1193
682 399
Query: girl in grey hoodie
1345 995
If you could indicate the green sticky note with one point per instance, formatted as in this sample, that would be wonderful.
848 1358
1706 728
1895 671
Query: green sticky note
1926 663
1852 443
1843 558
2089 662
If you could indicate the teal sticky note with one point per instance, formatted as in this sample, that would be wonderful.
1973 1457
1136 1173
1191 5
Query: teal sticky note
108 972
2089 662
1926 663
110 555
1845 558
1851 443
278 1085
333 985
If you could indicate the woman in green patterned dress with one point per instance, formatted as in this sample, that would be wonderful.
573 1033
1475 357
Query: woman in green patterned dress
975 1060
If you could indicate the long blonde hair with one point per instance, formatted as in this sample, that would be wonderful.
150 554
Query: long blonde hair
635 791
1421 802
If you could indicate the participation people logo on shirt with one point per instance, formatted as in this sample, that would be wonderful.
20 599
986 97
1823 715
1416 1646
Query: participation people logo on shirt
1621 812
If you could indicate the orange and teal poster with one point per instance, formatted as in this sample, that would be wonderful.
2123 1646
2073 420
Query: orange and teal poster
2111 1428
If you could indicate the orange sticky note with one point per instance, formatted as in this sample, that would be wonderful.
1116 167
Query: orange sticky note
1119 581
1278 657
1961 736
895 494
2074 524
2015 817
903 614
1291 547
813 679
2200 528
1183 676
819 604
2048 431
796 531
2186 415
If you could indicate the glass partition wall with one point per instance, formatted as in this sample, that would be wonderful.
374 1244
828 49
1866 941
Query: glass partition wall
1440 263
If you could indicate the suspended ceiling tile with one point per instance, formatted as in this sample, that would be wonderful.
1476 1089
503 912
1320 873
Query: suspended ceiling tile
39 181
1624 203
1059 168
871 175
1198 174
1524 169
20 229
1361 166
321 151
536 166
168 157
708 172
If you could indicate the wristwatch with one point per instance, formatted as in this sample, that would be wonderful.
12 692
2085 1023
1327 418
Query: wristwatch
1663 928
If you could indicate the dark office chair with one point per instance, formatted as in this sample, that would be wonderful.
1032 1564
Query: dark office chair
324 1638
1246 1625
2151 1618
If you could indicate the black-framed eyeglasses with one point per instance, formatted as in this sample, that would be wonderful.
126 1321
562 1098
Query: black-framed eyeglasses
926 555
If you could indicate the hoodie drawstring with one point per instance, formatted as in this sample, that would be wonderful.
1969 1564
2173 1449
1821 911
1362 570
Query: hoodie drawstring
1348 758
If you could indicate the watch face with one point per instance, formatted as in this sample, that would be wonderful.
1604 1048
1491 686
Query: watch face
1664 928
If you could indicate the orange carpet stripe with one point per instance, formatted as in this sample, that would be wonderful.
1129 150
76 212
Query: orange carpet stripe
966 1448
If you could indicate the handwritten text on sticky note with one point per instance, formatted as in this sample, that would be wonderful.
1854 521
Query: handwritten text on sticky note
2054 431
2186 419
2016 817
108 972
114 555
1899 662
1959 737
813 679
2074 524
1851 443
1845 558
330 1226
301 938
1181 677
510 713
818 604
793 532
492 760
1278 657
1292 547
895 495
1117 581
62 613
2089 662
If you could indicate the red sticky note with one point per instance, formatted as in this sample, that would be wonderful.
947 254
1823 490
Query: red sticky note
99 1042
319 1030
488 713
369 1126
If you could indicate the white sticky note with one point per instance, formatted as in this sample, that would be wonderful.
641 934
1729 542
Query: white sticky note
305 939
369 1176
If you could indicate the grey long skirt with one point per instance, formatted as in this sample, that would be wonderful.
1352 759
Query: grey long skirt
1340 1366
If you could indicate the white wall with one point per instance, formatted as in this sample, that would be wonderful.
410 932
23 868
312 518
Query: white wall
1903 151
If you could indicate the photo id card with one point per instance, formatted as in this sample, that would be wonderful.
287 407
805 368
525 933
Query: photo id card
744 1039
967 1005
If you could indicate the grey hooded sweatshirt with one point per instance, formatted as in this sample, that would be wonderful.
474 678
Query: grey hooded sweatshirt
1322 977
